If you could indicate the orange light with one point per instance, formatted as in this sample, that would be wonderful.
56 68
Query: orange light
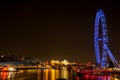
4 68
4 75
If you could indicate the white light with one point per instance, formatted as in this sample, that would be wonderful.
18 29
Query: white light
11 69
2 56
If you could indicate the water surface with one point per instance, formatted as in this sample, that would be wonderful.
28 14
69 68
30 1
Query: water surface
52 74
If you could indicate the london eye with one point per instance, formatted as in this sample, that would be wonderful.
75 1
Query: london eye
101 41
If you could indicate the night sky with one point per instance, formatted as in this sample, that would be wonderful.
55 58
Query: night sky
56 30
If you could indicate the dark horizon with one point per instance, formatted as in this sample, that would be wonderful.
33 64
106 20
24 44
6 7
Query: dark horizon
56 30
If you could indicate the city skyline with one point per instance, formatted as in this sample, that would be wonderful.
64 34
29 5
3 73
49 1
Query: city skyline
56 30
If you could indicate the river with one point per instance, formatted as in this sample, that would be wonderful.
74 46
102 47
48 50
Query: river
51 74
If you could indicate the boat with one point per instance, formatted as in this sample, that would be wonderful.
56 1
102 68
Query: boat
7 69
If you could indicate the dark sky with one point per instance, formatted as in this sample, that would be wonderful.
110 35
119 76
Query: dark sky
56 30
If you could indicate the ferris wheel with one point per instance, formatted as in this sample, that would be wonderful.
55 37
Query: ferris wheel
101 41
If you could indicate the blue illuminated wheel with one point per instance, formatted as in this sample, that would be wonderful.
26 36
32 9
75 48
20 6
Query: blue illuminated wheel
101 41
100 38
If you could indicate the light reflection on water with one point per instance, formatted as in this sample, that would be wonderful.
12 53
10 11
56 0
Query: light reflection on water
50 74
